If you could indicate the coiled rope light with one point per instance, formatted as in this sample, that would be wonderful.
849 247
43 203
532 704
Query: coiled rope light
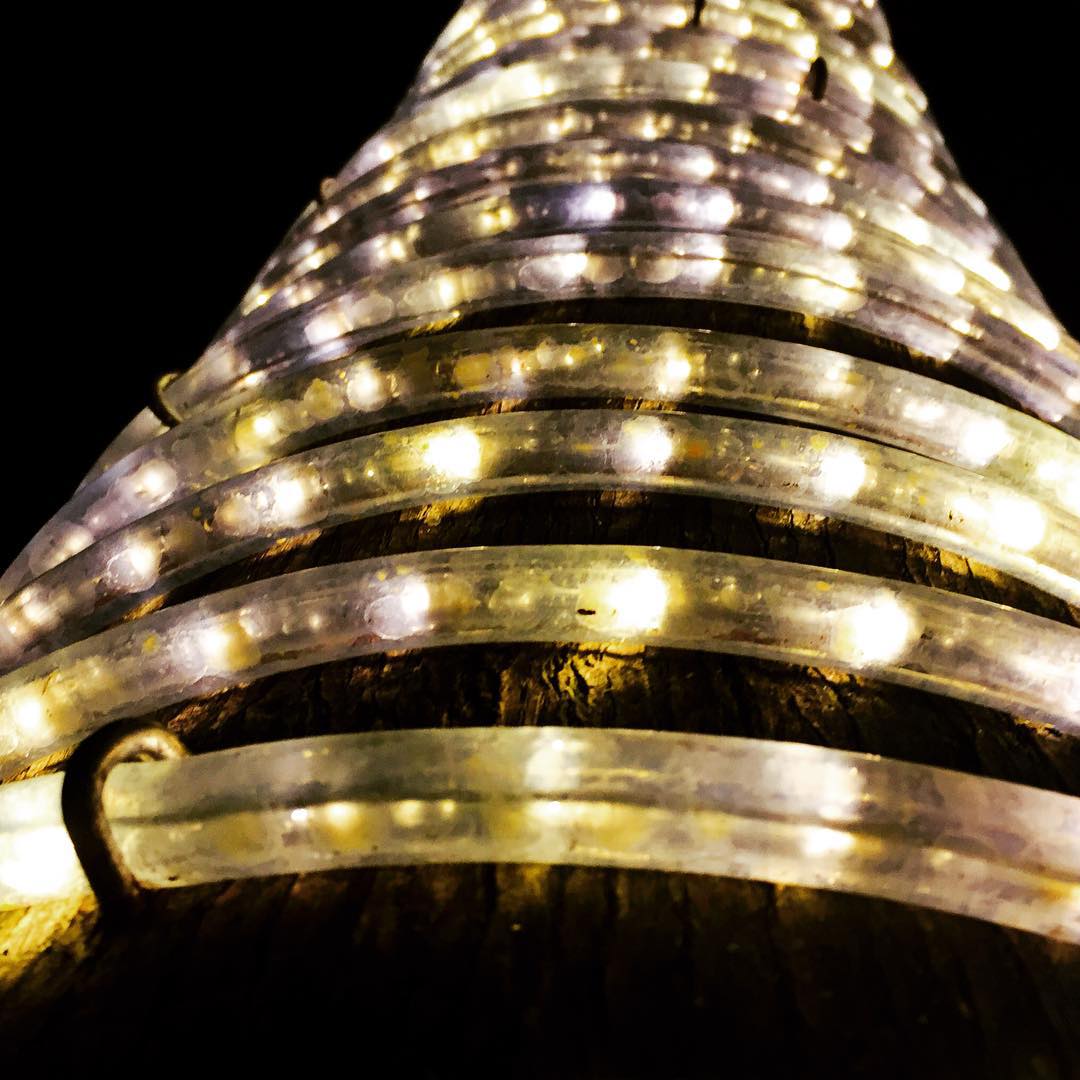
575 151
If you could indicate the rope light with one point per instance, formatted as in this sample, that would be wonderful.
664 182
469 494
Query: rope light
772 811
955 645
520 452
274 417
774 156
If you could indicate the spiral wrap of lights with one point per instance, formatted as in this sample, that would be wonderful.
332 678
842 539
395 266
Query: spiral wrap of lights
566 150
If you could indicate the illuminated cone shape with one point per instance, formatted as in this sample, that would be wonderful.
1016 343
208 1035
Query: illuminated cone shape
719 253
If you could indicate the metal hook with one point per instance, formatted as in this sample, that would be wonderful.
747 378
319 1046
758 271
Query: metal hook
159 406
117 890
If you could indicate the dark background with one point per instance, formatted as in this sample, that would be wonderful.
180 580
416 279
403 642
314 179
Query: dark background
156 162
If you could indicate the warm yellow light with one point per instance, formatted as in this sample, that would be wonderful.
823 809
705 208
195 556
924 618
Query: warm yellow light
363 386
982 439
136 566
819 840
40 863
454 454
25 709
290 497
639 600
841 473
599 203
838 233
874 632
646 444
415 600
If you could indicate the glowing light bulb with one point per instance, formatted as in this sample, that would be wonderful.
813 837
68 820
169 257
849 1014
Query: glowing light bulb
874 632
982 439
862 80
717 208
838 233
454 454
136 566
415 599
841 472
363 386
924 411
256 432
882 54
1038 327
1057 474
290 497
639 600
817 191
598 203
646 444
25 710
408 813
819 840
675 372
154 481
41 863
1017 522
225 646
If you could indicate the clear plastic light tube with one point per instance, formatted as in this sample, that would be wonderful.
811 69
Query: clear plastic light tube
513 453
763 195
278 417
862 171
654 263
696 139
768 811
965 648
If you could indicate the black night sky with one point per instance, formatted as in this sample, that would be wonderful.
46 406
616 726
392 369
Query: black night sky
159 163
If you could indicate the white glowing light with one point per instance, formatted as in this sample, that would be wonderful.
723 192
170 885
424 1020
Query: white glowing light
700 165
717 208
982 439
639 600
40 862
862 80
155 480
454 454
327 325
363 387
819 840
1042 329
842 472
925 411
290 497
675 372
415 599
874 632
136 566
882 54
599 203
551 763
1065 478
1009 519
1017 522
838 233
25 709
646 444
817 191
254 433
214 644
